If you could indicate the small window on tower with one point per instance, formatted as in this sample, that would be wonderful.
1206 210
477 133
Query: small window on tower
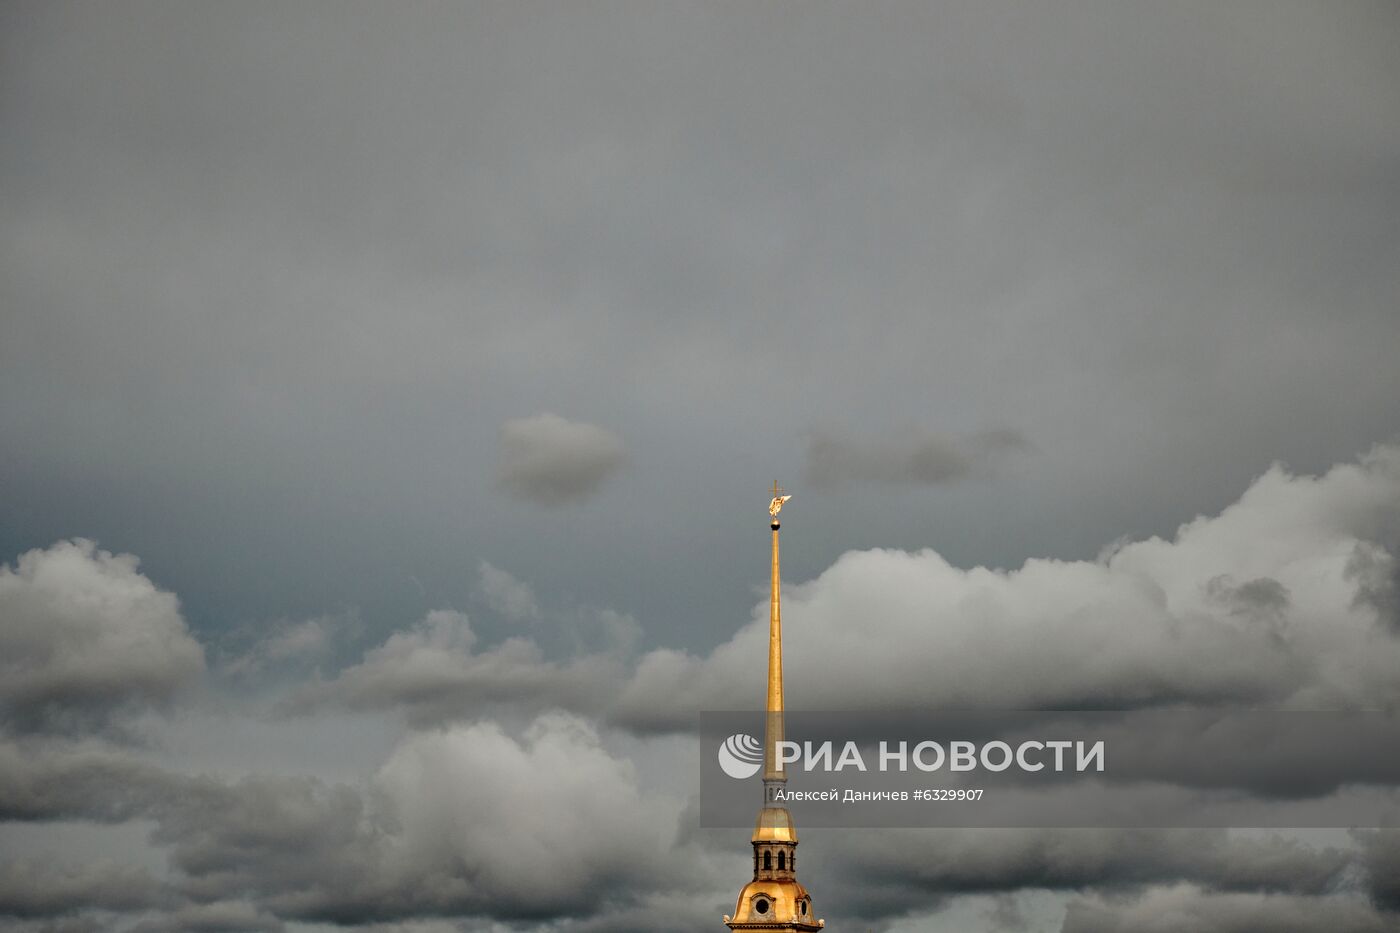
782 861
767 861
760 906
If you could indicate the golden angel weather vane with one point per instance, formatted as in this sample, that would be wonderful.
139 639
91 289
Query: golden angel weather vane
776 505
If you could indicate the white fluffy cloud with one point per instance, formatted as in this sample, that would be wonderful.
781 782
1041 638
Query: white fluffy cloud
86 638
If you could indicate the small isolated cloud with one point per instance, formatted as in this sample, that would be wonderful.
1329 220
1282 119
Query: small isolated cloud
506 594
85 639
914 459
552 461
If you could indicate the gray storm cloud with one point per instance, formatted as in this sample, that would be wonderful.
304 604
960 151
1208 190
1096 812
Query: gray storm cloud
278 282
553 461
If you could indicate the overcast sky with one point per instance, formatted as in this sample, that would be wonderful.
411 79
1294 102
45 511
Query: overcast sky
382 385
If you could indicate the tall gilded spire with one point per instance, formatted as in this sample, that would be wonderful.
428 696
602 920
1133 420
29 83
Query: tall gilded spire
774 900
773 730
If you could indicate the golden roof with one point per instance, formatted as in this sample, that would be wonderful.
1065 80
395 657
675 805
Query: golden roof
774 824
789 907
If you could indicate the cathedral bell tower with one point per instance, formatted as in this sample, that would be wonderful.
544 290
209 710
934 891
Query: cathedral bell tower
774 900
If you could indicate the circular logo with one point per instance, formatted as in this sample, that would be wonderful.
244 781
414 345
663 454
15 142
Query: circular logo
740 756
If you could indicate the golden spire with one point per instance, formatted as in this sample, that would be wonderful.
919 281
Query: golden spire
773 731
774 900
